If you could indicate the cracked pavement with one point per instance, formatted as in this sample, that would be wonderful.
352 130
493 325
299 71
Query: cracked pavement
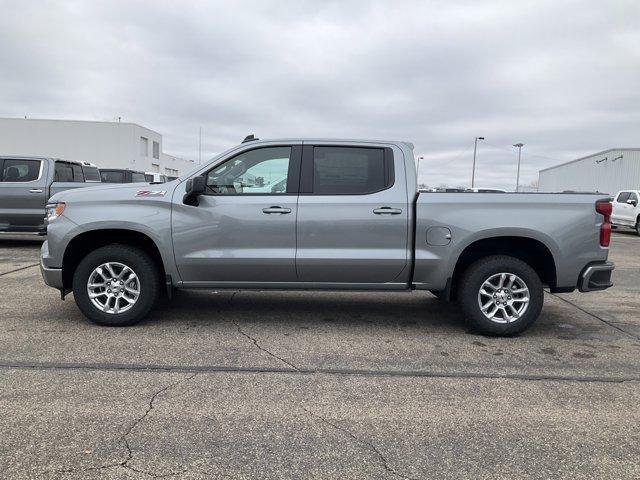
317 385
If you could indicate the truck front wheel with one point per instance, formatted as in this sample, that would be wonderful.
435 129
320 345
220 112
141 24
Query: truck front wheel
116 285
500 295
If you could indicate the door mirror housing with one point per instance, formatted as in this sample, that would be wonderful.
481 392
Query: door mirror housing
195 186
632 202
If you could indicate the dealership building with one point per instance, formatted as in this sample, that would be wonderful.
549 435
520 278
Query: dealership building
608 172
106 144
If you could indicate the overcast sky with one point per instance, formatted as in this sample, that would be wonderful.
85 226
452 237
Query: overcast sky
563 77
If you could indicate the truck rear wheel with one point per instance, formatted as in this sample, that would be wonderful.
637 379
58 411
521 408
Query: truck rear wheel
116 285
500 295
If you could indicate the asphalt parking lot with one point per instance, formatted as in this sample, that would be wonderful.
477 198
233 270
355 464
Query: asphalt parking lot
322 385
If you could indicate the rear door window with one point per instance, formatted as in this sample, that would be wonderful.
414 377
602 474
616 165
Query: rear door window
17 170
78 176
351 170
138 177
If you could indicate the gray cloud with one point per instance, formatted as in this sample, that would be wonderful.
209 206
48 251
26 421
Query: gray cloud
558 76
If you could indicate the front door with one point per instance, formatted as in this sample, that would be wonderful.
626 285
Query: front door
243 231
352 215
23 189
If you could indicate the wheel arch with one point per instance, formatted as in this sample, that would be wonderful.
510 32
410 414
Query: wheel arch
532 251
88 241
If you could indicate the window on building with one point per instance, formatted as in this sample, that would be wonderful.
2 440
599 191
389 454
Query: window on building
155 168
63 172
144 147
349 170
20 170
156 150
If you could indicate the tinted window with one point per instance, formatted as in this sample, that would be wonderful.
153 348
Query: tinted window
91 174
20 170
264 170
148 177
137 177
77 173
63 172
111 176
633 196
349 170
623 197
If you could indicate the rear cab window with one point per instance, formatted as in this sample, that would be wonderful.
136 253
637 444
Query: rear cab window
111 176
137 177
19 170
337 170
91 174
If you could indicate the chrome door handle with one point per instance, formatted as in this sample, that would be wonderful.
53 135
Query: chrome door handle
275 210
387 211
35 190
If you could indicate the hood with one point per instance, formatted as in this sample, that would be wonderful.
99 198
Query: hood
115 191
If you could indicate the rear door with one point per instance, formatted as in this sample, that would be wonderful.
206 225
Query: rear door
22 194
352 215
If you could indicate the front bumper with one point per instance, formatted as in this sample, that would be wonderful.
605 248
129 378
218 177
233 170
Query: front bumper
596 276
52 276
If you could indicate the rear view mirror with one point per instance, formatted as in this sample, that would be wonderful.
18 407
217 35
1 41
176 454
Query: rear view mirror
195 186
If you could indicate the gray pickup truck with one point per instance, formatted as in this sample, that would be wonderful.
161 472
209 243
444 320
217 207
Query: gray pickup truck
26 183
348 218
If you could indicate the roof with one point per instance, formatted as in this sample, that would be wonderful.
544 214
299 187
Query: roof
592 155
320 139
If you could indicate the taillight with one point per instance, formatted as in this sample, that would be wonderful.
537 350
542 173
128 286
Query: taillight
604 208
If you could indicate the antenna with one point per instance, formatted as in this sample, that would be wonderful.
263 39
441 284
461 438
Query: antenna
250 138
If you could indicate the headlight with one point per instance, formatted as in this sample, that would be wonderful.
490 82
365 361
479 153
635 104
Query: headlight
54 210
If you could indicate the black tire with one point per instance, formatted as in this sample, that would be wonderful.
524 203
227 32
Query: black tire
139 262
638 226
474 277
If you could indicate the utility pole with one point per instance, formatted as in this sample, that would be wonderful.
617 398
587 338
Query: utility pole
418 169
519 147
473 170
200 146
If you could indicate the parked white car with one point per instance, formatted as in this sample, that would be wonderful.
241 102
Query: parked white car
626 211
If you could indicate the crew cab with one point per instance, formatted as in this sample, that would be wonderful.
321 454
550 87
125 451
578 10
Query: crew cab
626 210
26 183
349 218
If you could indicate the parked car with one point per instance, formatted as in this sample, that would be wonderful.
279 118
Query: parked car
155 177
350 218
26 183
626 211
121 175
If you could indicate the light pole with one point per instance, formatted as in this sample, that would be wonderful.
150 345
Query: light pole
519 146
473 170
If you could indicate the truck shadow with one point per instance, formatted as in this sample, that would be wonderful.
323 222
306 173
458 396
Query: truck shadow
13 242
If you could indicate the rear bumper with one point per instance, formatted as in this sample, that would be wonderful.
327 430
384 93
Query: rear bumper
596 276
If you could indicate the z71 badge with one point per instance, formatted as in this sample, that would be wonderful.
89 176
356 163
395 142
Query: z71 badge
151 193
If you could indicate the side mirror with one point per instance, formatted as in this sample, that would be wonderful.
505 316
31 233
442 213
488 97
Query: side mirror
632 202
195 186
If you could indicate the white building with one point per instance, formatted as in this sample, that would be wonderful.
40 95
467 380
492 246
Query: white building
607 172
107 144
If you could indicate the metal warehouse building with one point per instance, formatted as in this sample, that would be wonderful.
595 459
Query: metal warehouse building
106 144
607 172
